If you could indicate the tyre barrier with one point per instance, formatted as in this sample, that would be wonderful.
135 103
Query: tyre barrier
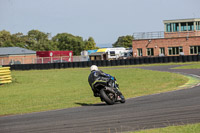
160 60
5 75
108 63
132 61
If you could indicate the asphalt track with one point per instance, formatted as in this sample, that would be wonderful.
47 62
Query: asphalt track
152 111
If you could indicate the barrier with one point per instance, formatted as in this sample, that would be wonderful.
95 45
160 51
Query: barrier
132 61
5 75
103 63
108 63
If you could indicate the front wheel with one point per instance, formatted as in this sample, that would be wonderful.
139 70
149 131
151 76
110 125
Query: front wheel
122 99
106 98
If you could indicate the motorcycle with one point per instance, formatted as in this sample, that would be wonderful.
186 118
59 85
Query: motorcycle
107 92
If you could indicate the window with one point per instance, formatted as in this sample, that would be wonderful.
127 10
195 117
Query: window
191 49
197 25
175 27
112 53
168 27
150 52
194 49
183 27
139 51
175 50
162 51
170 51
172 27
190 26
180 49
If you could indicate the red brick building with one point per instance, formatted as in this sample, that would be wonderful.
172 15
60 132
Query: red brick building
180 37
16 55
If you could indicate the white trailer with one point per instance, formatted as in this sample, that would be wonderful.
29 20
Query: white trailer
116 53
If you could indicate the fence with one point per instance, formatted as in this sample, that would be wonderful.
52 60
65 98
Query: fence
5 75
133 61
148 35
39 60
162 34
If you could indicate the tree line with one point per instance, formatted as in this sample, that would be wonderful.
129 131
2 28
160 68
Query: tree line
40 41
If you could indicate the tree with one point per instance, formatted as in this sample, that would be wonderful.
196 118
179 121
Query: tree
19 40
39 41
90 44
37 35
124 41
5 38
66 41
14 40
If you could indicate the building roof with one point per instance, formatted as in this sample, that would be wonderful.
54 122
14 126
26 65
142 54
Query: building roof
15 51
181 20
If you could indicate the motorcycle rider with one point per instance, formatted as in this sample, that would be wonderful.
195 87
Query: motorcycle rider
97 75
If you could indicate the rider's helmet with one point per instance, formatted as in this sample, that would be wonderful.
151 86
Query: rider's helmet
93 68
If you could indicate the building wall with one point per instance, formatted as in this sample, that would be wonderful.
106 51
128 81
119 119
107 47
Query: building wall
23 59
156 44
181 34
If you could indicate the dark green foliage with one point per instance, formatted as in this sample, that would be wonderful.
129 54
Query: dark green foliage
65 41
90 44
35 40
124 41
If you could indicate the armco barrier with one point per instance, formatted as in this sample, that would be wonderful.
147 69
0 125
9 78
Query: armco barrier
5 75
133 61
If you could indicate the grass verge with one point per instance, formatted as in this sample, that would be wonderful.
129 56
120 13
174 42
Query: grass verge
41 90
190 128
192 66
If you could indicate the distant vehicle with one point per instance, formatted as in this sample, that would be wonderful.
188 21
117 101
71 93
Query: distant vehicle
112 53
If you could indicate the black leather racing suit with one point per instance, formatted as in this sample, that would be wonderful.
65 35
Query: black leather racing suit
101 76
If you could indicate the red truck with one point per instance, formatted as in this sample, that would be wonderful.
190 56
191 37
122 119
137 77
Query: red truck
54 56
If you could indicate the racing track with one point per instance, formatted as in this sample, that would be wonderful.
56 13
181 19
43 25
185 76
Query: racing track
152 111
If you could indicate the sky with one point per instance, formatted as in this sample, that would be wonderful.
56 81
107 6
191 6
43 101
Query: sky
104 20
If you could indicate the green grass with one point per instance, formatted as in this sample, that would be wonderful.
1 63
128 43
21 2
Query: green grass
190 128
192 66
41 90
159 64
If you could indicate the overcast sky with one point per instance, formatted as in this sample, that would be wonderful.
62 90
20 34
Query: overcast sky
104 20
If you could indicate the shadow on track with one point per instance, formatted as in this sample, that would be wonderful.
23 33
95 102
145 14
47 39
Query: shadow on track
86 104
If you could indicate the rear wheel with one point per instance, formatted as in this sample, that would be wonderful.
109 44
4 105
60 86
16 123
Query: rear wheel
108 98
